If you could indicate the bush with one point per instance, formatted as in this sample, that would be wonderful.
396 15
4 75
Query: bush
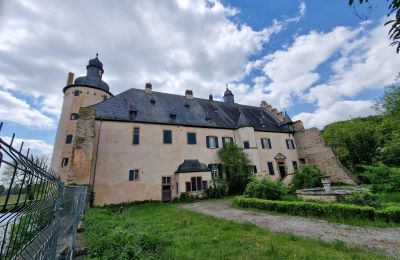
265 189
307 176
390 214
314 209
383 178
304 208
362 199
186 197
217 190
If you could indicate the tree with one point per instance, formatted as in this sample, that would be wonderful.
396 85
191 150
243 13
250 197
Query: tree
236 166
390 101
394 31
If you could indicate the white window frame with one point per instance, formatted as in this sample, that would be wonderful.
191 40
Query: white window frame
214 171
265 143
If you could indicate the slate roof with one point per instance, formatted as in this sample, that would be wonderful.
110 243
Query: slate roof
135 105
192 166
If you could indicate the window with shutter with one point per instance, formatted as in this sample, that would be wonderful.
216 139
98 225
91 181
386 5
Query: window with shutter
167 137
212 142
136 135
271 168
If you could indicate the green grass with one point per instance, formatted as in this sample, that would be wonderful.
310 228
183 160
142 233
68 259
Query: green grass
12 199
166 231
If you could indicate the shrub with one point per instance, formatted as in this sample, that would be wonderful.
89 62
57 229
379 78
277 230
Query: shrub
307 176
186 197
217 190
383 178
362 199
391 213
314 209
265 189
304 208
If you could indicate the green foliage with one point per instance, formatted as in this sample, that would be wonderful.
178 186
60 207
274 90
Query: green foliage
394 31
390 101
176 233
217 189
383 178
362 199
186 197
314 209
307 176
236 164
265 189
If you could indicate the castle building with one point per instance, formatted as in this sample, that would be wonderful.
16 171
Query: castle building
147 145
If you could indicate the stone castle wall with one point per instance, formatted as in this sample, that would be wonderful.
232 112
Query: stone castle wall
312 149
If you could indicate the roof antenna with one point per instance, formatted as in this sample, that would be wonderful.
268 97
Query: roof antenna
226 85
97 54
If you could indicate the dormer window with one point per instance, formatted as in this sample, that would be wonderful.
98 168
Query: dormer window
132 110
152 100
208 118
187 105
172 113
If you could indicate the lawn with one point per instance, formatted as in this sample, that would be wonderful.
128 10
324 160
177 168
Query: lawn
165 231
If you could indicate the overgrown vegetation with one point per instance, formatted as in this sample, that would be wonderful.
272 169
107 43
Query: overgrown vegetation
217 189
331 211
265 189
235 163
307 176
165 231
362 199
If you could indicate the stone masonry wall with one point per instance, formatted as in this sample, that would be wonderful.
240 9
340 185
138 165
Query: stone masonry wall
311 147
83 147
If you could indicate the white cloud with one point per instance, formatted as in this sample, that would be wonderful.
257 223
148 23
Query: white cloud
36 146
340 110
20 112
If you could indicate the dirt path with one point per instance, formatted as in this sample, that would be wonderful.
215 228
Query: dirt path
386 240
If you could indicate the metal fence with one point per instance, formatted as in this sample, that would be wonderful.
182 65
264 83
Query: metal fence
38 215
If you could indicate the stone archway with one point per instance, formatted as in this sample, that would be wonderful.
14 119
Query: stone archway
281 163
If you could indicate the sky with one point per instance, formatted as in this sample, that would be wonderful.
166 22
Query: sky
321 61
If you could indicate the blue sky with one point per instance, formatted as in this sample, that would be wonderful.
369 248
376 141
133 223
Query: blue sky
315 59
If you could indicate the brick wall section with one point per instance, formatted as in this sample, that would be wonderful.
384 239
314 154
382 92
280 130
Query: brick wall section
311 147
83 147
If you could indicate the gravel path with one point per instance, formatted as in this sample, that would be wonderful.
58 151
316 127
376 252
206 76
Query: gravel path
386 240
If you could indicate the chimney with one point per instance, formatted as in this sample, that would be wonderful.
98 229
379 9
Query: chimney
210 97
70 78
148 88
189 94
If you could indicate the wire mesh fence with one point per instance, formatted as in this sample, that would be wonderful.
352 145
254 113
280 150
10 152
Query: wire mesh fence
35 207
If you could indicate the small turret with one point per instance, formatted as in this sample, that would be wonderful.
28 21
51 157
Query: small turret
228 96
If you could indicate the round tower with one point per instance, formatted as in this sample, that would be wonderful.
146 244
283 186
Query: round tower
84 91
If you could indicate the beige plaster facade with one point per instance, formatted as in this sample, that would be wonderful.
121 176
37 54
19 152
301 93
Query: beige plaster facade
117 155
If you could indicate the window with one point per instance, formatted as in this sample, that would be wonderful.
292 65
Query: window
226 140
69 139
271 168
134 175
246 145
295 166
196 184
76 93
166 180
212 142
191 138
266 143
104 97
302 161
177 187
252 169
167 137
74 116
64 162
290 144
136 135
214 170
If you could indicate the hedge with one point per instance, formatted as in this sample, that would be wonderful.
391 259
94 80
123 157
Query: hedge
314 209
